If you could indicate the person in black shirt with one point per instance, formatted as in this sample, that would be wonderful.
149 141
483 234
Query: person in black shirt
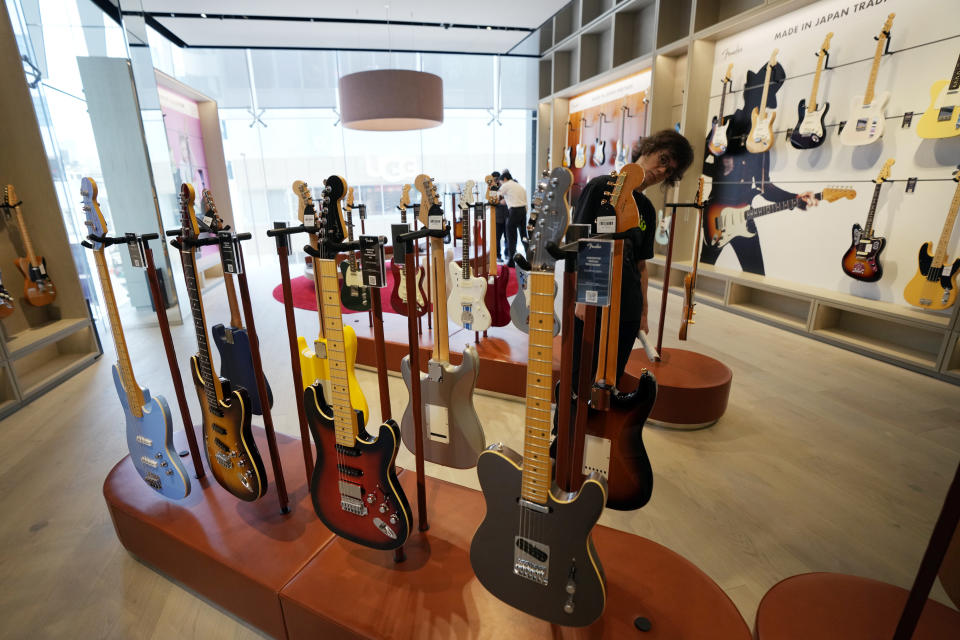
664 157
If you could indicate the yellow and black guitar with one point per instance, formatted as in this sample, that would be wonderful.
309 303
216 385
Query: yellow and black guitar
934 286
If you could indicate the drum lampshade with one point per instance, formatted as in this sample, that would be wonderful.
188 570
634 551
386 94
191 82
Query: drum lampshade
391 100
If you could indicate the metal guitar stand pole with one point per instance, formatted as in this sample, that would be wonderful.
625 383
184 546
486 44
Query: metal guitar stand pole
282 235
666 269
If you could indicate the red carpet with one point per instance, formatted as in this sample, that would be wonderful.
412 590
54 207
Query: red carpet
304 298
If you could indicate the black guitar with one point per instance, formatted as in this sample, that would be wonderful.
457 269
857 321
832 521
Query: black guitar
811 129
354 295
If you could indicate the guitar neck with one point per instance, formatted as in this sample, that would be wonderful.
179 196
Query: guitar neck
723 100
134 394
492 240
315 244
868 230
766 89
871 83
812 103
211 382
465 238
27 245
535 484
776 206
941 255
352 257
235 320
344 417
441 345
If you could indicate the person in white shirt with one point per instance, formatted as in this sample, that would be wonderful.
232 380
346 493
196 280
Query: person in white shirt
515 197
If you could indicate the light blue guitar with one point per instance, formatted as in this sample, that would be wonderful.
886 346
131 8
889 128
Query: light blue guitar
149 431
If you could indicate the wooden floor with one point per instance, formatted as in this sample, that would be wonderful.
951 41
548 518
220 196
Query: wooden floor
825 461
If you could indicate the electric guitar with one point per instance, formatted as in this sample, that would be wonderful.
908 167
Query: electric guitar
942 117
398 295
227 437
620 157
599 144
690 280
663 228
718 132
452 435
760 138
38 289
568 150
533 549
354 486
862 259
865 121
6 302
935 286
498 276
810 130
581 160
149 431
314 363
233 343
550 204
468 292
353 294
725 222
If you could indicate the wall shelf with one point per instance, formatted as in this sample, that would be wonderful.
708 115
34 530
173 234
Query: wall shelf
590 10
35 337
711 12
634 31
596 50
673 23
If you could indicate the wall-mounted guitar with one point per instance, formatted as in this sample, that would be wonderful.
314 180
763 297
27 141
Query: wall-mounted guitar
568 150
314 363
452 435
6 301
935 287
38 289
228 440
725 222
533 549
865 122
718 131
550 203
599 144
467 292
353 294
942 117
354 486
862 259
233 343
760 138
398 295
149 431
581 158
498 279
690 280
810 130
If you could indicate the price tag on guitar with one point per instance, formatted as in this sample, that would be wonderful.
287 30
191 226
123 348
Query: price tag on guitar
594 272
137 258
373 261
228 252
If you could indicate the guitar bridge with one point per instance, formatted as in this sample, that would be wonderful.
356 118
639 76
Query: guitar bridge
153 480
224 460
531 560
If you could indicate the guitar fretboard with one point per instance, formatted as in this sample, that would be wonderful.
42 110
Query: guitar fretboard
723 100
871 83
535 477
344 417
955 79
812 103
868 231
465 224
941 255
210 382
27 245
756 212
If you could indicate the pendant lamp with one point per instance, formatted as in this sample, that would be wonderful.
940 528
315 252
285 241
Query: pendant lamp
391 100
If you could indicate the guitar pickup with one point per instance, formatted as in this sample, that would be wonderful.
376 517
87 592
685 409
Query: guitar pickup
147 442
218 429
221 445
150 462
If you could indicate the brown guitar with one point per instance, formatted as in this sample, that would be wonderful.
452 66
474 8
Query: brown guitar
690 281
38 289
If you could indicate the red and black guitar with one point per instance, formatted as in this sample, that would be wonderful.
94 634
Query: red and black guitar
398 295
862 259
497 280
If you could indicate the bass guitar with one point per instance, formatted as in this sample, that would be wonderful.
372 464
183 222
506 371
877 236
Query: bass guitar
533 549
227 437
599 144
353 294
38 289
467 292
724 222
690 280
498 277
718 131
810 130
149 431
581 159
354 486
398 295
314 363
551 204
452 435
760 138
6 301
935 286
233 343
862 259
942 117
865 122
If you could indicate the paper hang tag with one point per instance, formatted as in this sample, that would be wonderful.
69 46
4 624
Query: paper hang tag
136 250
606 224
594 272
208 221
228 252
435 222
907 120
373 261
911 185
841 125
309 220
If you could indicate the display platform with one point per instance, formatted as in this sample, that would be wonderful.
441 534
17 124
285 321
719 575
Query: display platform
833 605
236 554
362 593
692 389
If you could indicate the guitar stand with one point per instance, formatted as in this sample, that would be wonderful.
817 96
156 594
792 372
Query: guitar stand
281 235
428 300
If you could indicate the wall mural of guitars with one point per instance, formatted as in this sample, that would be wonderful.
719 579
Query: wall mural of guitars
760 138
862 259
935 284
865 121
717 144
452 435
811 130
148 426
468 291
498 278
38 288
942 117
354 295
398 294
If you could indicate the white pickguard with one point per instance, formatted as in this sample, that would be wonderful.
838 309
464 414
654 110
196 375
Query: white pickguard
733 221
761 137
353 278
865 124
466 305
811 124
719 139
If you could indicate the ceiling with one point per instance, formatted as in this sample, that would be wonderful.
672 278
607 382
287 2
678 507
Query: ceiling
491 26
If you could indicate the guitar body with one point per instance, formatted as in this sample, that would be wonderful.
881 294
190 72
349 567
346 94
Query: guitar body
520 308
760 138
38 289
599 152
810 131
718 138
373 511
559 539
621 158
496 298
663 228
567 156
452 435
398 295
466 304
314 368
725 222
150 443
232 454
236 363
353 294
866 121
862 259
930 288
581 159
942 117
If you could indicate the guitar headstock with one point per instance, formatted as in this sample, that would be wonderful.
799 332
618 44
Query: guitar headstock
491 195
885 171
93 217
429 199
467 199
826 43
334 189
699 198
832 194
549 216
210 220
9 196
726 76
405 196
773 58
305 200
620 188
885 32
188 217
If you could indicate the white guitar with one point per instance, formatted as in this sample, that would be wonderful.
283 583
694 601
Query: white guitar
466 302
760 138
663 228
865 122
